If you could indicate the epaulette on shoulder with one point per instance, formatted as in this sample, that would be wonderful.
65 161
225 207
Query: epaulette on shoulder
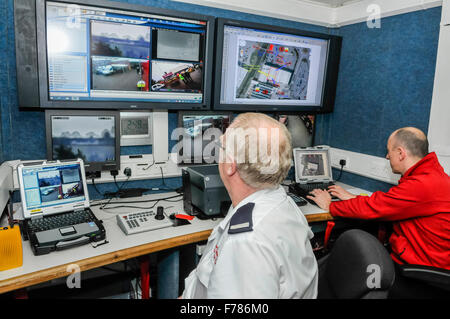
242 219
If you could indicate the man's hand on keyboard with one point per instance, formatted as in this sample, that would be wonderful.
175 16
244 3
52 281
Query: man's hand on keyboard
340 193
321 198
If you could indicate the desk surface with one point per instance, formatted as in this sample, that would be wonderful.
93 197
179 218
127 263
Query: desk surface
37 269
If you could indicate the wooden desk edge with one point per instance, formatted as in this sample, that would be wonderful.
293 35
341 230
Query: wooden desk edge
48 274
321 217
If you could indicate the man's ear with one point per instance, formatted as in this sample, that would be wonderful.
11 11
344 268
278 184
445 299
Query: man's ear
231 168
402 153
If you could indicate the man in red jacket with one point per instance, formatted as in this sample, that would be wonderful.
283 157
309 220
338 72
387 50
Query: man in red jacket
419 206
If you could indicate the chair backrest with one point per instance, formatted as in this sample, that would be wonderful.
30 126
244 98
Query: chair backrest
433 276
358 266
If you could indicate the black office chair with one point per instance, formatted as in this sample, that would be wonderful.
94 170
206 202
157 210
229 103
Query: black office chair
347 272
421 282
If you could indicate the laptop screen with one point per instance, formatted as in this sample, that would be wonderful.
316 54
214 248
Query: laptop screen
312 164
51 188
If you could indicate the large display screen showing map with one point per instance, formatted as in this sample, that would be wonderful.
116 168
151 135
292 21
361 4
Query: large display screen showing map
271 68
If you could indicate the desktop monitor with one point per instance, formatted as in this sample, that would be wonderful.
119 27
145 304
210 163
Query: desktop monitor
268 68
199 131
93 136
104 54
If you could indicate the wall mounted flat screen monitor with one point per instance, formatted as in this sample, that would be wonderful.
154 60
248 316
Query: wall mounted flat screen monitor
199 131
268 68
126 56
93 136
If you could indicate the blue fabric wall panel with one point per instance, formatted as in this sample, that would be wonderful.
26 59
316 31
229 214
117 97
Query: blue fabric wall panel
385 81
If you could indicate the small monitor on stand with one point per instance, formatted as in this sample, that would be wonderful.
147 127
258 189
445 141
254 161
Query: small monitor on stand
93 136
200 130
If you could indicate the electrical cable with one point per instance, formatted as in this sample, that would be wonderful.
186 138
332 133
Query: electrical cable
95 187
140 207
135 202
167 188
340 173
118 192
150 165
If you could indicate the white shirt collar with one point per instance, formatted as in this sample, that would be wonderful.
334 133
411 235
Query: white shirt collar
251 198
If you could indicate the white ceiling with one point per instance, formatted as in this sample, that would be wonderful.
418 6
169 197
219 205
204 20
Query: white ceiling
328 13
331 3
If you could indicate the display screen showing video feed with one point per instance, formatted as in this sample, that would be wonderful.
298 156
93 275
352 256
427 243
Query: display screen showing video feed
271 68
115 55
91 138
50 186
301 128
177 45
312 165
200 132
174 76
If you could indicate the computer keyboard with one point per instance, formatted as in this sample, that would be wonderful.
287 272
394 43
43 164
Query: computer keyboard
61 220
304 189
298 200
142 221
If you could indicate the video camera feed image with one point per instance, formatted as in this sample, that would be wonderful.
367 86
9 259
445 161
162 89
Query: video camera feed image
301 128
120 40
72 190
312 165
91 138
177 45
49 185
176 76
272 71
120 74
53 188
194 129
120 54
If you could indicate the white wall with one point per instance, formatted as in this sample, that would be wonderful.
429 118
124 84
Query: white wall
439 124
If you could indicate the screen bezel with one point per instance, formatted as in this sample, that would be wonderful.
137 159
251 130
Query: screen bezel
88 166
330 80
181 160
45 101
27 213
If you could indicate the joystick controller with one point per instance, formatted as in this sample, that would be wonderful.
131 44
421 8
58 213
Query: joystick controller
159 213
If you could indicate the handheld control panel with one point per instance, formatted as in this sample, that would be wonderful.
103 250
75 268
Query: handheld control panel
142 221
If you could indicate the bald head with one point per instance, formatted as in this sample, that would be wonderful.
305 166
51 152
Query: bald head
412 139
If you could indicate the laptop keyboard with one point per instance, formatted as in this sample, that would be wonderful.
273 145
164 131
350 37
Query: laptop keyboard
304 189
61 220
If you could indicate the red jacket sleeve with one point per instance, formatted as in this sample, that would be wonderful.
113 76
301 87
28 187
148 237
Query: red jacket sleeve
407 200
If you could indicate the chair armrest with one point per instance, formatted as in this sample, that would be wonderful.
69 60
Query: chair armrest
437 277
